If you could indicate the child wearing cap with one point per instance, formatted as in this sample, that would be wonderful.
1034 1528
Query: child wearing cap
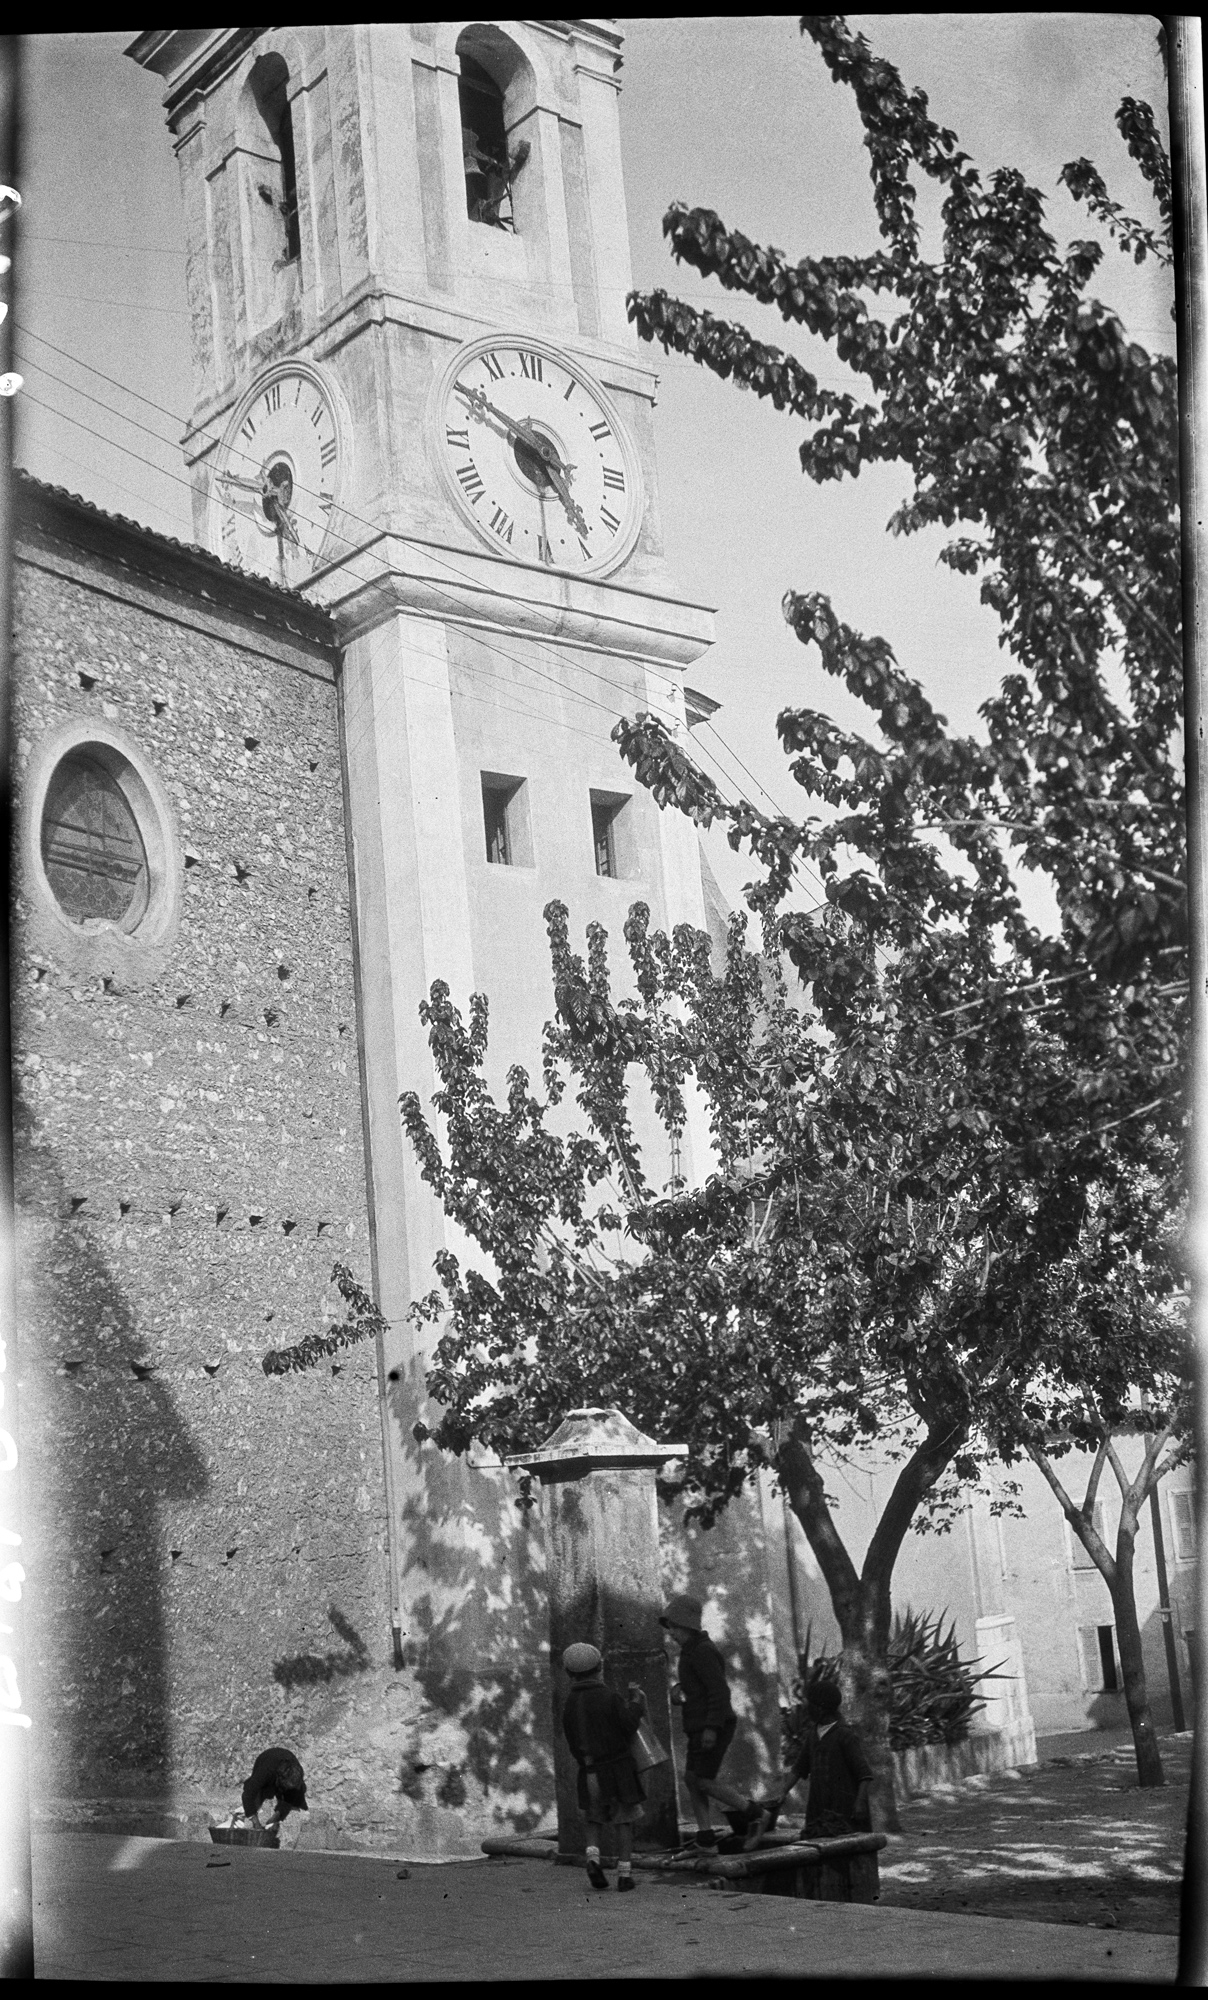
709 1725
600 1727
276 1775
834 1760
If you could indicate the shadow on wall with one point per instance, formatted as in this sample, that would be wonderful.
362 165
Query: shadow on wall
303 1669
105 1448
476 1639
724 1566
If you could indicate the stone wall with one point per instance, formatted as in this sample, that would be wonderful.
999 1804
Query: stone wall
207 1566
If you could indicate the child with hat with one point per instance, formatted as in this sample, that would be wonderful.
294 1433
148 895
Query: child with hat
600 1728
834 1760
709 1725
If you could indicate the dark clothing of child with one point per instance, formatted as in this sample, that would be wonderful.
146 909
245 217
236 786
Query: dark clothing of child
706 1761
600 1727
836 1767
276 1774
702 1677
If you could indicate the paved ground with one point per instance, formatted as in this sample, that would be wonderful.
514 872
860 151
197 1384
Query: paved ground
1072 1841
131 1908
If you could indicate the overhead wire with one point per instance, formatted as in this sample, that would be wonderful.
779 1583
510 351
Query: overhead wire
544 717
628 692
492 647
179 479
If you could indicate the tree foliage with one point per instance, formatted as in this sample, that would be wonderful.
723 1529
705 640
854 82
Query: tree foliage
362 1321
946 1169
1034 428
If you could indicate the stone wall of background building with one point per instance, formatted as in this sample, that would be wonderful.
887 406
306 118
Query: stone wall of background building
207 1567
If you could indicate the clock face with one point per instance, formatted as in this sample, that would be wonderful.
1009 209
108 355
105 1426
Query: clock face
536 457
277 477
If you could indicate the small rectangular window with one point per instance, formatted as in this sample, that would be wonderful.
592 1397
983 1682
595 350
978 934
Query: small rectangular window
495 813
1106 1635
610 833
505 821
601 830
1100 1659
1182 1520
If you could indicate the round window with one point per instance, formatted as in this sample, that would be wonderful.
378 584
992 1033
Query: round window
92 849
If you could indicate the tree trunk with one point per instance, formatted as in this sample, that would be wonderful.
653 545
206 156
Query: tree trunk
864 1629
1117 1574
1132 1664
862 1601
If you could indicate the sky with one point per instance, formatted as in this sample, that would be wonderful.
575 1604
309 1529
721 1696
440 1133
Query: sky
733 113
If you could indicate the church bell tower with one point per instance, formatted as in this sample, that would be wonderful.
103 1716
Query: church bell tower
418 402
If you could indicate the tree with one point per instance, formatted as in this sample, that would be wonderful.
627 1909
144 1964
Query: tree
939 1176
1030 421
860 1269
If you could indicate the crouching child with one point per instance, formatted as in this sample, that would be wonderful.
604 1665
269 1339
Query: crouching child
600 1726
833 1760
275 1788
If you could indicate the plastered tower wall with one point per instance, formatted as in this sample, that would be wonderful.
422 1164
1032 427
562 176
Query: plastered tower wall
462 657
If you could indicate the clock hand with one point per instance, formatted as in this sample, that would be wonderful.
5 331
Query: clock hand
256 486
558 472
480 407
280 515
516 427
573 510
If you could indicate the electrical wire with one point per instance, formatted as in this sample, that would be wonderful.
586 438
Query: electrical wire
179 479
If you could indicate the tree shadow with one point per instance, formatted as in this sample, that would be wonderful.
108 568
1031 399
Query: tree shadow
300 1669
476 1639
105 1448
1071 1842
725 1567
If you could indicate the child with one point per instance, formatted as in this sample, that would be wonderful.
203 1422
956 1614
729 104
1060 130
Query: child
600 1728
709 1725
833 1759
276 1775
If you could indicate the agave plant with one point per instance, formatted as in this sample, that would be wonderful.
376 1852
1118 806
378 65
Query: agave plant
933 1693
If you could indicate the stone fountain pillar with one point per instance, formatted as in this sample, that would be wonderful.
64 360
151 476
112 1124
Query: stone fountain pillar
600 1511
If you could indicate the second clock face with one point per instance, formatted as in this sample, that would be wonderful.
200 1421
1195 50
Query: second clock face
277 478
537 458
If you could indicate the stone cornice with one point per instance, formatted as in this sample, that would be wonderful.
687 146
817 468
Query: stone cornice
395 574
190 60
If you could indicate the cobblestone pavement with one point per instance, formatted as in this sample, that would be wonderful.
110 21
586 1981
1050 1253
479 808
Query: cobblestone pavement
1073 1840
131 1908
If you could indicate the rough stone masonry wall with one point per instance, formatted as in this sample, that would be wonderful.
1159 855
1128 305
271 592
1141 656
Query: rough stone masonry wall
207 1566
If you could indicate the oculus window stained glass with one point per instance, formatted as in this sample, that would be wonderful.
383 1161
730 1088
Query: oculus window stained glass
92 850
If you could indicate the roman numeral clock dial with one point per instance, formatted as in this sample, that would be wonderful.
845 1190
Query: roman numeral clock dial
277 478
536 458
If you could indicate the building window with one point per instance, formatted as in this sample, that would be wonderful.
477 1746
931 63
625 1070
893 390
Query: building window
92 850
489 168
279 186
610 833
1100 1660
1108 1665
605 842
495 813
505 821
1182 1520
